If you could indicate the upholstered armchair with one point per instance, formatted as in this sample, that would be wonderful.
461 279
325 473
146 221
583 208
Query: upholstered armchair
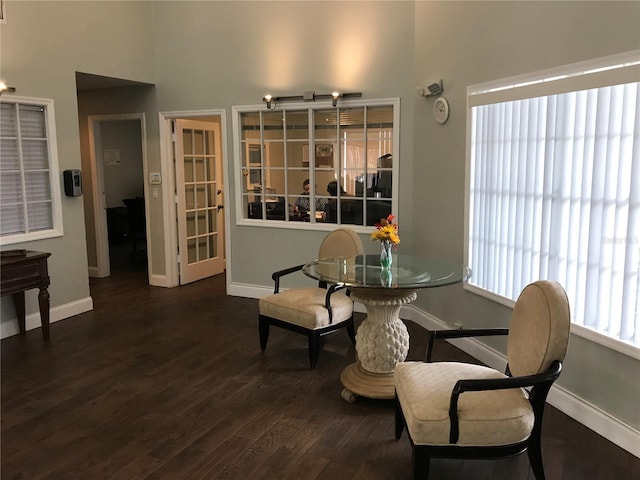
312 311
460 410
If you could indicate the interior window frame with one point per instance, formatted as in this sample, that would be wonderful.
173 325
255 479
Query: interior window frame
241 175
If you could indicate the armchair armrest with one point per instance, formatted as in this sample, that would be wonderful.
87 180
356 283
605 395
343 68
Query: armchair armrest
477 385
327 299
460 333
281 273
330 290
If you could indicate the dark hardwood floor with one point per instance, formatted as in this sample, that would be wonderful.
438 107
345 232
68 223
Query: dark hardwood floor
159 383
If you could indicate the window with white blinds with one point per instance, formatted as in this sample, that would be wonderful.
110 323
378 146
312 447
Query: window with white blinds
554 192
29 180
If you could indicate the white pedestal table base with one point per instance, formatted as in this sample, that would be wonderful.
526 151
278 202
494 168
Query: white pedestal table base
382 341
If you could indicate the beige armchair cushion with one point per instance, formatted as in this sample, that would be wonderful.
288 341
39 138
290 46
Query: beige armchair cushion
498 417
539 329
342 242
305 307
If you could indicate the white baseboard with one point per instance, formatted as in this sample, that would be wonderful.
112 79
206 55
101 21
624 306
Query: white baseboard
248 291
575 407
158 281
9 327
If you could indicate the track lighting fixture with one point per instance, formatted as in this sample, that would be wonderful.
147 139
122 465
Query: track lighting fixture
334 98
5 88
270 101
309 96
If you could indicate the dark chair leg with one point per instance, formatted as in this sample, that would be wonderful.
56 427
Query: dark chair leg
421 459
534 451
263 328
351 331
314 348
399 419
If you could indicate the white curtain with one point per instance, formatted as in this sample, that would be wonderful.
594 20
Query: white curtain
355 155
555 194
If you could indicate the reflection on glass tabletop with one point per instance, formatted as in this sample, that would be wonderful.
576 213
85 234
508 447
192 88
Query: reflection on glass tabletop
407 271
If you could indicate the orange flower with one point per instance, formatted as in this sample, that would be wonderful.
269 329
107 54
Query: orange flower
386 231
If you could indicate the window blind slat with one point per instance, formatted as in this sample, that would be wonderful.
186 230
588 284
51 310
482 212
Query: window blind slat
8 120
32 121
12 219
40 217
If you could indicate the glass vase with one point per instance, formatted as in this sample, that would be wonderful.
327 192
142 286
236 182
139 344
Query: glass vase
386 277
386 259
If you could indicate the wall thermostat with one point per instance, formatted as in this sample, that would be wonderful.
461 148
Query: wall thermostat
155 178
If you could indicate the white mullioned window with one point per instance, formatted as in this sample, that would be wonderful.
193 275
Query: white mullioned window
30 203
554 191
307 165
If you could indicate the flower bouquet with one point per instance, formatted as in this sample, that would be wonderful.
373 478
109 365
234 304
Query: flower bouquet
386 233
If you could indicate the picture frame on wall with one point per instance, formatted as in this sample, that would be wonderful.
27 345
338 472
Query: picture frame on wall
324 155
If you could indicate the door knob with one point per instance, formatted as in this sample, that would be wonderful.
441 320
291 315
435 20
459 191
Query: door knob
220 207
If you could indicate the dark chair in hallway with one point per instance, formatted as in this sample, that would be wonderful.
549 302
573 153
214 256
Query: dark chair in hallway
137 225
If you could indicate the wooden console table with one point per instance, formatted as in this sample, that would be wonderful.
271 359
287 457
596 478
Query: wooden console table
23 270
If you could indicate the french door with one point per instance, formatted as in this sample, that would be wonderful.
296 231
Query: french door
200 199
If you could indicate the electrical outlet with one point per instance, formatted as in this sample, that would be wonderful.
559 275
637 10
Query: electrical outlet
458 325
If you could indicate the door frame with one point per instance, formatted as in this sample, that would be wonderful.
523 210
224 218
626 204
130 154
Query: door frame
103 268
169 194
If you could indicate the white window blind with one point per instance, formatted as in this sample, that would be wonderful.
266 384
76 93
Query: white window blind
554 193
29 188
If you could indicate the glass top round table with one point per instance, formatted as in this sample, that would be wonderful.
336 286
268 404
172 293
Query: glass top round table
406 272
382 339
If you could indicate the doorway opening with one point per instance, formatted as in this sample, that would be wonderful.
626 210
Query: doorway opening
118 165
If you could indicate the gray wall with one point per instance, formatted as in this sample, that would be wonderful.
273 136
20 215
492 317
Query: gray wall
466 43
123 179
42 45
213 55
233 53
110 101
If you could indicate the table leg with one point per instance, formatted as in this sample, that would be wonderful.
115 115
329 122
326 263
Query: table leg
382 341
43 303
18 301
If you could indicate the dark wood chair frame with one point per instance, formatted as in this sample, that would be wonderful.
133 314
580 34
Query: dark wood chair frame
314 335
540 385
